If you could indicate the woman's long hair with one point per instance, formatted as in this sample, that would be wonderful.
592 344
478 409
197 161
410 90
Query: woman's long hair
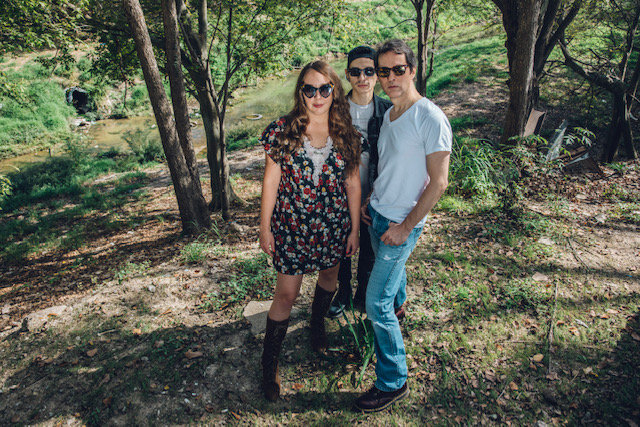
346 140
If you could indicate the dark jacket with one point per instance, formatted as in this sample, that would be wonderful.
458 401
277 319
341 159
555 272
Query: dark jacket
380 106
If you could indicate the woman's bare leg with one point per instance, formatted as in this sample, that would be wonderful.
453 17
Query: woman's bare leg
287 290
328 279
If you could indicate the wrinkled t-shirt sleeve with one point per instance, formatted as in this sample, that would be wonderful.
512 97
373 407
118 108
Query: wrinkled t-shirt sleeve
437 132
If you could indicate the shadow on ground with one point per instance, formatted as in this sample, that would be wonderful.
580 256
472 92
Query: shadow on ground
170 376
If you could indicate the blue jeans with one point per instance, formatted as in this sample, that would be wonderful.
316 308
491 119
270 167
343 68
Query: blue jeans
387 287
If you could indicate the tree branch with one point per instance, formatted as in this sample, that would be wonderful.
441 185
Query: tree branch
598 79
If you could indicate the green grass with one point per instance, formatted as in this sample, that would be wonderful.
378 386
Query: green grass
33 112
250 277
50 202
194 252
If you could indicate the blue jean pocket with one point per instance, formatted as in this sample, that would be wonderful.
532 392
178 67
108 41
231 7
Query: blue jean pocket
379 223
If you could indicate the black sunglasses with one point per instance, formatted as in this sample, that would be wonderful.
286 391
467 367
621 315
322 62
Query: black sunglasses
398 70
355 71
310 91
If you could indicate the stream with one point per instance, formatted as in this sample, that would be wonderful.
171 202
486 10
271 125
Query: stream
270 99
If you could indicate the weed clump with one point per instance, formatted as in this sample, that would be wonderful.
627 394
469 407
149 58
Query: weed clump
251 278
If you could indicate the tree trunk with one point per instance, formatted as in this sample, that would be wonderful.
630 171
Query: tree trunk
520 50
225 183
191 204
620 128
423 22
422 43
178 91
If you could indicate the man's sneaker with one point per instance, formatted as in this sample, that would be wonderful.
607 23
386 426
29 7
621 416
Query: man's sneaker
376 400
335 309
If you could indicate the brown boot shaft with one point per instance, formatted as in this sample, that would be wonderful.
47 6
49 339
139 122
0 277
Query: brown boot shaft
321 302
273 338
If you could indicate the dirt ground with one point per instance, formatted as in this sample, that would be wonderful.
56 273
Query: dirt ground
121 340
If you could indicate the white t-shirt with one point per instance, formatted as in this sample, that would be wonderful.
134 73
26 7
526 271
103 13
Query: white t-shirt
402 167
360 116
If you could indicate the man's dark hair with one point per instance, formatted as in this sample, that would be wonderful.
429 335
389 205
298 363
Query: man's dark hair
360 52
399 47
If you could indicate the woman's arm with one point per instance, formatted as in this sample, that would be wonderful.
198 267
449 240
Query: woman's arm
270 185
352 186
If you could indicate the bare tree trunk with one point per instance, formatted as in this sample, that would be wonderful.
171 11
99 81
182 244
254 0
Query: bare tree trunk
423 22
620 128
191 204
179 98
521 68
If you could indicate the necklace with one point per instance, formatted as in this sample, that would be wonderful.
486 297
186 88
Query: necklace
318 156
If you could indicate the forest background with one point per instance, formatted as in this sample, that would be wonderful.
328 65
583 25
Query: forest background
118 307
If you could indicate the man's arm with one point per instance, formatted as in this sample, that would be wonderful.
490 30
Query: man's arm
438 167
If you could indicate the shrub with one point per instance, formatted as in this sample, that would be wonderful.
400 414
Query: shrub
145 145
5 188
473 168
241 137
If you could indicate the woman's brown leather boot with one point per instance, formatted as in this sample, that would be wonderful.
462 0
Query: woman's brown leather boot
273 337
321 301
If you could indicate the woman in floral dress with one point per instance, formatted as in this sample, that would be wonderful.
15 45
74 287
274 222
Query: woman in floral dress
310 210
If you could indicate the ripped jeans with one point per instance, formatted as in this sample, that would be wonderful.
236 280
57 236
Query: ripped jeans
387 285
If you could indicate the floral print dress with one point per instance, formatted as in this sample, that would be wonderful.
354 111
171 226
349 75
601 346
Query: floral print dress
310 220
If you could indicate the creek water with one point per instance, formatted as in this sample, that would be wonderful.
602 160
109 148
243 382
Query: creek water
269 99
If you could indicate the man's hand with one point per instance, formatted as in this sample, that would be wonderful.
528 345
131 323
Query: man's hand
353 241
364 213
267 242
396 235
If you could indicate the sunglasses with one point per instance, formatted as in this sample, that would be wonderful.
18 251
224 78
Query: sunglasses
398 70
310 91
355 71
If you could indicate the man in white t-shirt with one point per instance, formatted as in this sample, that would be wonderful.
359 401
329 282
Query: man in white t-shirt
413 167
367 111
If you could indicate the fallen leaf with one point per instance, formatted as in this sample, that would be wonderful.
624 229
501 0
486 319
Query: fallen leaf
612 311
587 370
104 380
574 331
137 331
538 358
635 336
298 386
539 277
107 401
92 352
552 376
513 386
604 316
592 313
189 354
